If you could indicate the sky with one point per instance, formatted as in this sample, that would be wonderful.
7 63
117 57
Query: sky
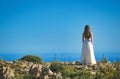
39 26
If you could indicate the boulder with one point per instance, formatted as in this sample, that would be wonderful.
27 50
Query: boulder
6 73
58 75
35 70
40 71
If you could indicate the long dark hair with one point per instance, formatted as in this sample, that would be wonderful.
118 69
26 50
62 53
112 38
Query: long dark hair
87 32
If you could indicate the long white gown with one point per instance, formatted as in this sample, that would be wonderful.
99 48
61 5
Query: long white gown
87 56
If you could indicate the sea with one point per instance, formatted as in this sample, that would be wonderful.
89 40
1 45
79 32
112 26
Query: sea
63 57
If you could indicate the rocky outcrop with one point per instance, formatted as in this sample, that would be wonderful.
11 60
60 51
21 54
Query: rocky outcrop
18 70
6 73
35 70
43 72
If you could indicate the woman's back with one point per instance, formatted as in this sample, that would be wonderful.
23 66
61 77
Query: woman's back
87 35
87 56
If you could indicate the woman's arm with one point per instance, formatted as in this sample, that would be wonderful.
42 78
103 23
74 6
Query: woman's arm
92 39
82 37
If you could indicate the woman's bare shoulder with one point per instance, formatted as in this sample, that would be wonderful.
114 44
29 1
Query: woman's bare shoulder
91 33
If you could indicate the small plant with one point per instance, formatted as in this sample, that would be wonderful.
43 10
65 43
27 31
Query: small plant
104 59
56 66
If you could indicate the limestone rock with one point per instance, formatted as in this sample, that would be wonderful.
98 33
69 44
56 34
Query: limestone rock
58 75
6 73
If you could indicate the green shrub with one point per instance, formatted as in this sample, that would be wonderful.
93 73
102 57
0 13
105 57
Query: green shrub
67 71
31 58
105 72
85 74
56 66
73 75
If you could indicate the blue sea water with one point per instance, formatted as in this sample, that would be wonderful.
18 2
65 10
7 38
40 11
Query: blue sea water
48 57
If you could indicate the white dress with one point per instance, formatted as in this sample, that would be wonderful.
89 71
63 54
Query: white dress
87 56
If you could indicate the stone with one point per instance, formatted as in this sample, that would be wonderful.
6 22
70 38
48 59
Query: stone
6 73
35 70
58 75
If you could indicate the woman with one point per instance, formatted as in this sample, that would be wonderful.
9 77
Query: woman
87 56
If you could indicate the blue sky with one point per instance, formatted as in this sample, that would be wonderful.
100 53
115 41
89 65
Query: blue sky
28 26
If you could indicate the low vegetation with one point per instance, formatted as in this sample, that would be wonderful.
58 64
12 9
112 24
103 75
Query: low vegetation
102 70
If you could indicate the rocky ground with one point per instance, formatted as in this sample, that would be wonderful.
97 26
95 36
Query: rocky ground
69 70
26 70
